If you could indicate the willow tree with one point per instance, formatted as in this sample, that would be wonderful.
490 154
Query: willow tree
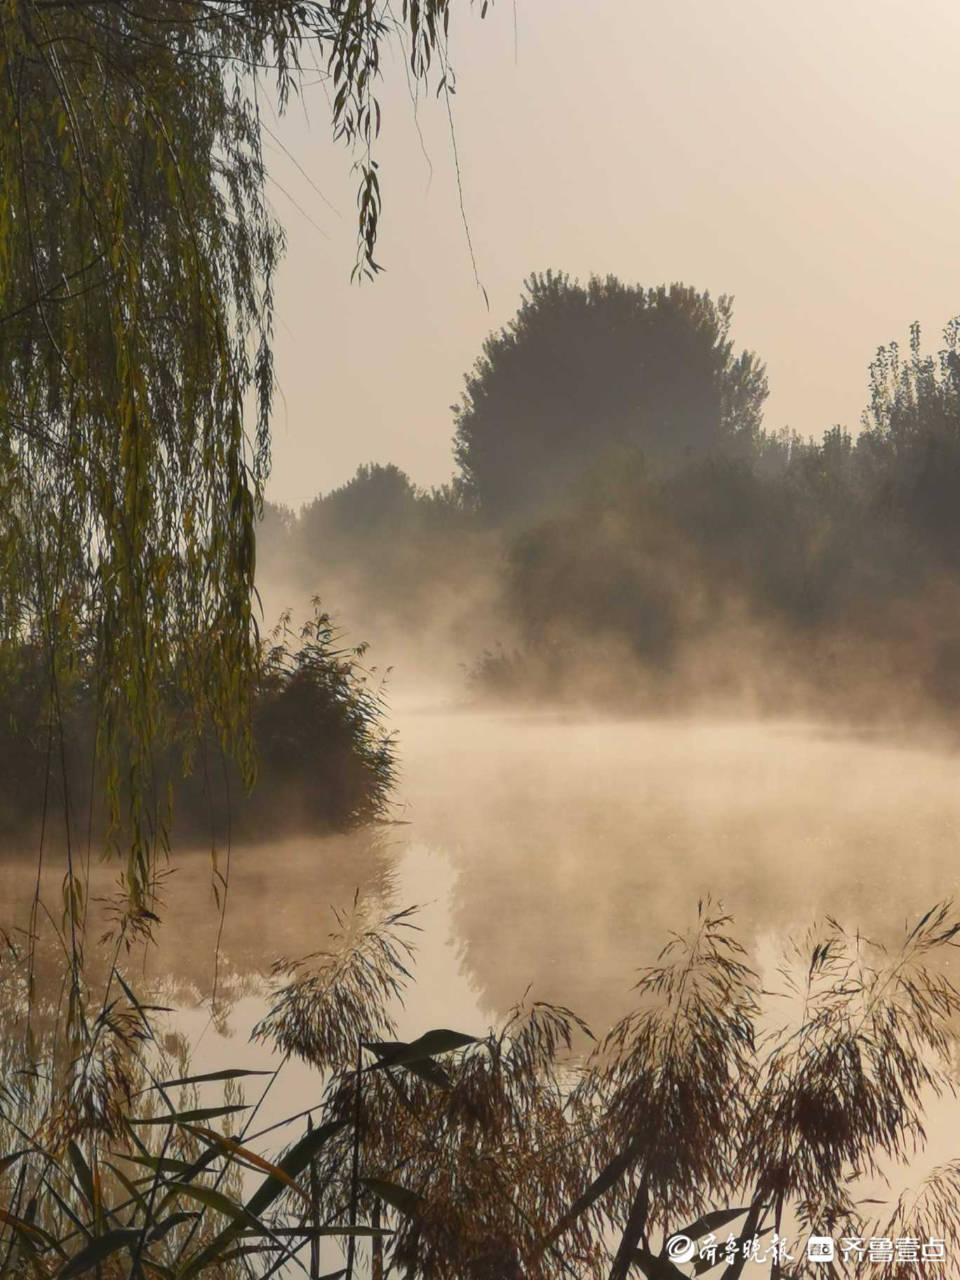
137 259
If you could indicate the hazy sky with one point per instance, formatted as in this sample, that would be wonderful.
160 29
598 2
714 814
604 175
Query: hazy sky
803 158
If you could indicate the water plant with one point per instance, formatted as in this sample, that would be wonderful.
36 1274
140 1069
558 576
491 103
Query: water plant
720 1104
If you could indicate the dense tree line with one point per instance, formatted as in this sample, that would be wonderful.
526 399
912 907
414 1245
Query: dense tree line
412 570
645 532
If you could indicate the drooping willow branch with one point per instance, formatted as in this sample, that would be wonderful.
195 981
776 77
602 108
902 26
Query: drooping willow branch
137 259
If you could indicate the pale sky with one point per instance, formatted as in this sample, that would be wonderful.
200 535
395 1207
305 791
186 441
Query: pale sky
803 158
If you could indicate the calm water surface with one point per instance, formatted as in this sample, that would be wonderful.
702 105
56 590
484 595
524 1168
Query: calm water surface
556 853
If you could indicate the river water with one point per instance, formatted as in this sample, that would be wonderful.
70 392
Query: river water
556 852
552 854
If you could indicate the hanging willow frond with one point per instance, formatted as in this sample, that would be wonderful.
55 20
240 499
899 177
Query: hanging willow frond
137 260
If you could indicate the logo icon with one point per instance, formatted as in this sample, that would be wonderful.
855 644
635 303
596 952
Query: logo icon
820 1249
680 1248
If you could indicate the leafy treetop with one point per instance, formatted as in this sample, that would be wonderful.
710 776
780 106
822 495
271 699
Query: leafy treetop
586 371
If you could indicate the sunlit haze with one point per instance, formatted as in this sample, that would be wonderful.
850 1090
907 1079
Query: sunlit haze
535 826
802 159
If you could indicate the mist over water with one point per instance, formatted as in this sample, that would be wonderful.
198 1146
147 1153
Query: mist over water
579 843
551 855
557 851
618 769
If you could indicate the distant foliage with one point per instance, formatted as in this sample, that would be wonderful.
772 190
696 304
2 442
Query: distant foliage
411 568
911 440
745 569
822 575
377 502
383 538
588 373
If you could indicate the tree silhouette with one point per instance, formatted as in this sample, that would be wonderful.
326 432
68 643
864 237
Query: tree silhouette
910 446
585 372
